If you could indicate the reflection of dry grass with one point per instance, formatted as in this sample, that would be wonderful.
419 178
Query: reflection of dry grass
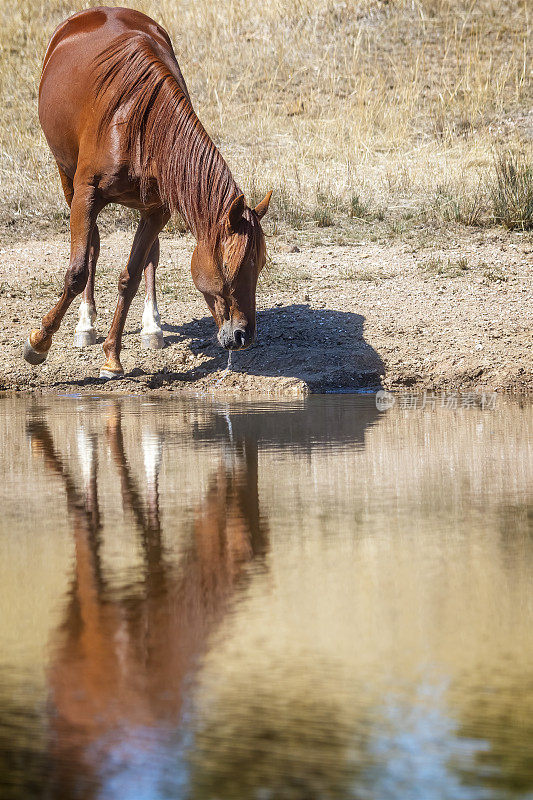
398 104
298 734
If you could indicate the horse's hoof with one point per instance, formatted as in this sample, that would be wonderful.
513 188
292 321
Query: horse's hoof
152 341
84 338
108 374
33 356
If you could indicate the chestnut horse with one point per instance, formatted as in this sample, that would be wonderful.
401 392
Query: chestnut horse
117 116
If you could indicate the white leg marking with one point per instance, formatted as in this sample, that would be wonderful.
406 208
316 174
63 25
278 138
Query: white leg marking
85 333
86 453
152 445
151 333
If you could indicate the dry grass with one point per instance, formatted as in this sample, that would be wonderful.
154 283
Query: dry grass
354 110
512 193
446 268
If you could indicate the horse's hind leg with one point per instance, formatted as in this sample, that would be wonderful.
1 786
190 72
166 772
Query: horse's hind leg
147 232
83 212
151 333
85 333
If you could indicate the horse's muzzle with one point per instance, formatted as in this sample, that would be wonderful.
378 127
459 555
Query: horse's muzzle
235 337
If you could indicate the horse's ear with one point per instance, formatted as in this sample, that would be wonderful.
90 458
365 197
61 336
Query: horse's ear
235 214
262 207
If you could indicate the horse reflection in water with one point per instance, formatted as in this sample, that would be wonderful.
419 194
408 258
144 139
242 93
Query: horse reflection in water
119 675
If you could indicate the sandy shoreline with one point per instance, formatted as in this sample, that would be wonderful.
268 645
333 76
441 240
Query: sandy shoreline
455 313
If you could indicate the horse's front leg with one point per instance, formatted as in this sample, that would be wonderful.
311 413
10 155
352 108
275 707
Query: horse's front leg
147 232
83 212
151 333
85 333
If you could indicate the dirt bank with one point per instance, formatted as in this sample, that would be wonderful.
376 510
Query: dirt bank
448 311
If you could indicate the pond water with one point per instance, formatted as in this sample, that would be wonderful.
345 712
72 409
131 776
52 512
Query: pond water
313 599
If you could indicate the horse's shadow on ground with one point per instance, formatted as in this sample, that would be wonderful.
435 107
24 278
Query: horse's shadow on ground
322 347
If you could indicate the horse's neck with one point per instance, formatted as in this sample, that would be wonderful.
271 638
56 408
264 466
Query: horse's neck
199 183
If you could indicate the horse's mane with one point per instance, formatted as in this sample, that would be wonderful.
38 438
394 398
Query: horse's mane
163 133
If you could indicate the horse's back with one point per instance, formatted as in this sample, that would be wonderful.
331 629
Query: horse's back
67 106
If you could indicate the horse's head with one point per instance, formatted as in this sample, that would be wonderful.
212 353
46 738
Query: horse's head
226 269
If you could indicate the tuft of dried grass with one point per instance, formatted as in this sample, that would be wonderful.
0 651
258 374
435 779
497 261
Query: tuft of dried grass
512 190
446 268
